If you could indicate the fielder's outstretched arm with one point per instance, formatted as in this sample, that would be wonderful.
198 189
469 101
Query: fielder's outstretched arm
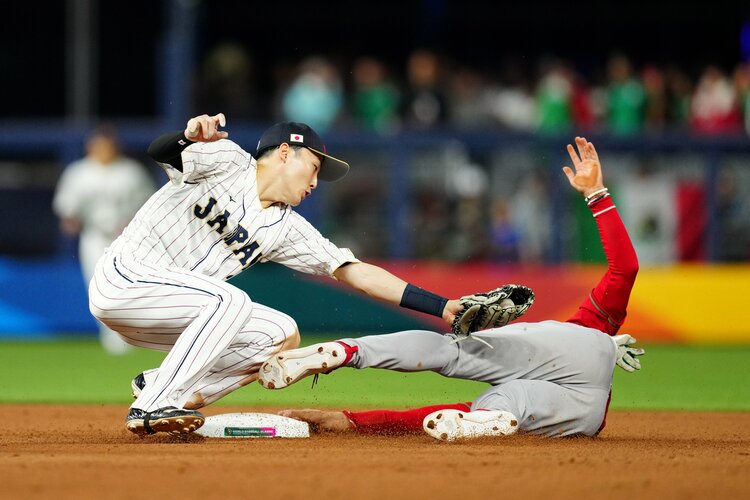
379 283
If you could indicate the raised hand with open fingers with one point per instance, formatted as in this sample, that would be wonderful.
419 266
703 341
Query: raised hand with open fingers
205 128
587 176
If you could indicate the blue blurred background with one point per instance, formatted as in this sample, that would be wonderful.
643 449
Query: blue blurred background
454 116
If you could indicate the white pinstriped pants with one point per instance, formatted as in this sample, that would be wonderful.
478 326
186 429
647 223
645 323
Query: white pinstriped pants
216 337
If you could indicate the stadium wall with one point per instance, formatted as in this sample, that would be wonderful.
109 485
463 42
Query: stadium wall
694 303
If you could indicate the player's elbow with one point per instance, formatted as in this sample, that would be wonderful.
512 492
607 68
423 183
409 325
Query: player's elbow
630 266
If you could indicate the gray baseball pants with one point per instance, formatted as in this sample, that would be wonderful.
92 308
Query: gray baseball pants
554 377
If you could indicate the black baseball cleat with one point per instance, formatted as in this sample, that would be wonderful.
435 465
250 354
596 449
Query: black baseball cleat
170 419
135 421
137 385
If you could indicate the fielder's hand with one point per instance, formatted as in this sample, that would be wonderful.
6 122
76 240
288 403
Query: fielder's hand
492 309
626 355
205 128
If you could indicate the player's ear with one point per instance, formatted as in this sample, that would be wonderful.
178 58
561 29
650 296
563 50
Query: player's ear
284 150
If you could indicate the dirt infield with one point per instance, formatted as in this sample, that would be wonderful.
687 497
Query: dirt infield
56 451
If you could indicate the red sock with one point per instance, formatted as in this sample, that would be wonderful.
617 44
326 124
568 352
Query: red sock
396 422
349 350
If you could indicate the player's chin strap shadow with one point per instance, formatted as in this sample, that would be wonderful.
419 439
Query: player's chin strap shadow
461 338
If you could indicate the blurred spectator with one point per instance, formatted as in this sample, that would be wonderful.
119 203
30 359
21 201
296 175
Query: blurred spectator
649 209
505 237
531 214
465 187
679 94
95 199
315 97
512 103
226 83
424 104
554 96
714 106
431 216
626 98
742 89
734 219
375 99
581 103
468 100
467 240
656 98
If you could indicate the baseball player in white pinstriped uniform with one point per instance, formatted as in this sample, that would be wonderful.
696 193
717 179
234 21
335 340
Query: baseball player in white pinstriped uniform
95 198
162 284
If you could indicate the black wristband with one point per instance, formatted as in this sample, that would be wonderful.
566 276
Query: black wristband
168 148
423 301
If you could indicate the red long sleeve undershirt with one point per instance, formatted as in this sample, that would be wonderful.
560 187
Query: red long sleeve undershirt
391 422
604 309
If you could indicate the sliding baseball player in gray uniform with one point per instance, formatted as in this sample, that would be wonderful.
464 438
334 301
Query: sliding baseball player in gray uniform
550 378
162 283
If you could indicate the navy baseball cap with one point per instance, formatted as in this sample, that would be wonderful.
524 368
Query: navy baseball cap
299 134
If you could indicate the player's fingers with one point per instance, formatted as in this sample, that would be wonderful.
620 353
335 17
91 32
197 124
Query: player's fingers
209 129
627 366
592 151
221 119
192 127
222 134
581 142
569 174
573 155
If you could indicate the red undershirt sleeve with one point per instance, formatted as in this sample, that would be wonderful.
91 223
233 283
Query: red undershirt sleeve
392 422
606 306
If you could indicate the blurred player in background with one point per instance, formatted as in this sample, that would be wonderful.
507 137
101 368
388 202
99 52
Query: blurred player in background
95 199
549 378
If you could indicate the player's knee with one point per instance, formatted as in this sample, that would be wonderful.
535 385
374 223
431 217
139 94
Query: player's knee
237 302
288 332
292 341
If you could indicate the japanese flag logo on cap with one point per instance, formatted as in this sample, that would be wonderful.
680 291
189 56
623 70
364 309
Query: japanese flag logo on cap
296 138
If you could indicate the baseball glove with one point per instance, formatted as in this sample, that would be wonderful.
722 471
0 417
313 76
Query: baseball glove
495 308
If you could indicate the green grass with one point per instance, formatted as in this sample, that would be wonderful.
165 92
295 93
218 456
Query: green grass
78 371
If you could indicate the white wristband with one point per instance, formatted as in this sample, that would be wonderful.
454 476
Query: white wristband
595 194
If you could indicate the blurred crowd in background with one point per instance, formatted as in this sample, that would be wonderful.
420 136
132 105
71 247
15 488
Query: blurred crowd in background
547 96
477 204
482 180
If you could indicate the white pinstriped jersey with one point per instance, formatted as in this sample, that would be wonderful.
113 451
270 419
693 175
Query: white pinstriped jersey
209 219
